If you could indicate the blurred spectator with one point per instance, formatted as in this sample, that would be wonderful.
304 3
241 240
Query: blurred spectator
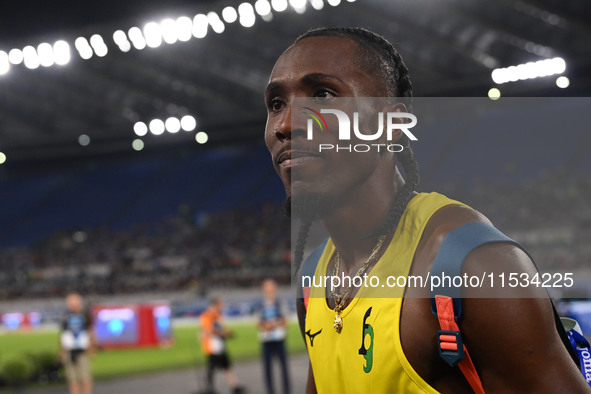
213 341
76 345
272 334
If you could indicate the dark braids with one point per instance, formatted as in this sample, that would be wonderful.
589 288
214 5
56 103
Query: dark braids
394 72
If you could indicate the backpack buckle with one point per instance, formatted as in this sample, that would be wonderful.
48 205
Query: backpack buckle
451 347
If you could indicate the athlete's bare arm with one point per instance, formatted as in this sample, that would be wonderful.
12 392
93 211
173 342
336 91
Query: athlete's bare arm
513 341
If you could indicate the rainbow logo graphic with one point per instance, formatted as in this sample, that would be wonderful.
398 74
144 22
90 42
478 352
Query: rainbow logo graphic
317 117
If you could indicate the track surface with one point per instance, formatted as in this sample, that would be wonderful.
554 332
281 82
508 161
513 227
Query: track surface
191 381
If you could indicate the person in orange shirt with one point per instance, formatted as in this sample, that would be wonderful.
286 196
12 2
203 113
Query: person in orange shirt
213 341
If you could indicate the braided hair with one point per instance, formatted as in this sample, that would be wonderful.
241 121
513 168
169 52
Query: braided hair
379 55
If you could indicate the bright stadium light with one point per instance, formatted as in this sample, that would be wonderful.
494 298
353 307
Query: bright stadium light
201 137
247 16
156 126
494 94
173 125
562 82
98 45
184 28
334 3
215 22
61 53
4 63
2 158
45 53
317 4
298 5
168 30
84 140
153 34
200 26
541 68
188 123
83 48
137 145
15 56
229 14
31 58
279 5
140 129
262 7
120 38
137 38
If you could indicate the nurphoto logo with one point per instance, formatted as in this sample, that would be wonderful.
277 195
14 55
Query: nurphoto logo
387 123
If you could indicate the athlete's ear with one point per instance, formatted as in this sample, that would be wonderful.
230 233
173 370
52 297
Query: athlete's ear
397 107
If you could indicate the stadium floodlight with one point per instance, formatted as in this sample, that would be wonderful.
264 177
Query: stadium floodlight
173 125
262 7
4 63
137 145
2 158
334 3
200 26
137 38
83 48
247 16
229 14
279 5
298 5
153 34
317 4
98 45
84 140
31 59
494 94
184 28
156 126
215 22
45 53
120 38
188 123
61 52
541 68
201 137
169 31
562 82
15 56
140 129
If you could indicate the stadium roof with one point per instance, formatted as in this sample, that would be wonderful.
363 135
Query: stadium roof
218 75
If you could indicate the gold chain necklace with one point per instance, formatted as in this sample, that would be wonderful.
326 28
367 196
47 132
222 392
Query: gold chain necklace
341 299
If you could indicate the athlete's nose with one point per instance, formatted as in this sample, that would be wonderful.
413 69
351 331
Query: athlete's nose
291 125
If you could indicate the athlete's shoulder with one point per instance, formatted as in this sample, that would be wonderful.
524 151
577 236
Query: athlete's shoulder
450 216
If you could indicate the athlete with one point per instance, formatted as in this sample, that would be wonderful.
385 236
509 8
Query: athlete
378 224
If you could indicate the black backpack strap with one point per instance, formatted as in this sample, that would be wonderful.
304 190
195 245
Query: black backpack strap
307 271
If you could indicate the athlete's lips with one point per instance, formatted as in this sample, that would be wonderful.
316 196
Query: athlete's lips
292 158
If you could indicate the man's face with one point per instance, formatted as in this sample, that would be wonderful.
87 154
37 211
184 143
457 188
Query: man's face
322 68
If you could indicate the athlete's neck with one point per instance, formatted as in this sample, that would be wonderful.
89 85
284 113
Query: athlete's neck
363 211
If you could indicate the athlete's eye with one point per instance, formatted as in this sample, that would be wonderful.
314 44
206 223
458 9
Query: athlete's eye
275 104
323 95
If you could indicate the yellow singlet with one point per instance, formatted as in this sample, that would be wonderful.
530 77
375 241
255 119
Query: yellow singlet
367 356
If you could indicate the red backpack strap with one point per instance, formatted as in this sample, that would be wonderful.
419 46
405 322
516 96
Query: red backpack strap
451 346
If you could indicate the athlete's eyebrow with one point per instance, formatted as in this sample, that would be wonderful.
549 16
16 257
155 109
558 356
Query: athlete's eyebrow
314 78
271 87
308 79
